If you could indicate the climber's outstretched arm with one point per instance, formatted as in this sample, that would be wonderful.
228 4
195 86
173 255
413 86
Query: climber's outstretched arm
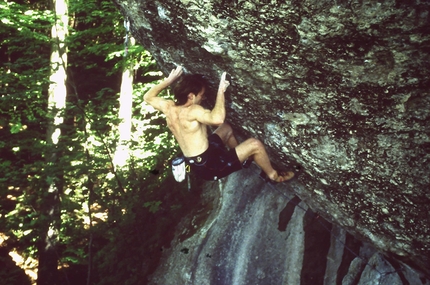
151 97
216 116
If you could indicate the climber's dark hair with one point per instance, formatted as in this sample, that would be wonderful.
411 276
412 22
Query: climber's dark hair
188 83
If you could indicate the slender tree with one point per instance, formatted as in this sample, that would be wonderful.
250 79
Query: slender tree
48 255
122 152
86 227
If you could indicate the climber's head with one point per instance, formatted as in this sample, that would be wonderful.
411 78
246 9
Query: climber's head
188 86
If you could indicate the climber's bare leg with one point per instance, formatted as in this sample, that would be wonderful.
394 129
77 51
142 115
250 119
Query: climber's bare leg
255 148
250 148
225 132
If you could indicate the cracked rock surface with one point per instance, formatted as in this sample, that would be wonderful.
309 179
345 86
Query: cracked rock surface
340 88
257 233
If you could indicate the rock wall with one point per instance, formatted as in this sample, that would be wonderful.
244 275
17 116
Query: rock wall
340 88
263 234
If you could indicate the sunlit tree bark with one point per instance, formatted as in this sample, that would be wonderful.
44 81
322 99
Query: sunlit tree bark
48 255
125 112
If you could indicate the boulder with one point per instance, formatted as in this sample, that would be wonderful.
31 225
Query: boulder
257 233
339 89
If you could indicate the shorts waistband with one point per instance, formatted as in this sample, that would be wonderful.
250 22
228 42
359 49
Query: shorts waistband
199 159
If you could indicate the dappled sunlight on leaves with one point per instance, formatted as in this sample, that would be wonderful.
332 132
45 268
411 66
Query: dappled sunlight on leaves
103 207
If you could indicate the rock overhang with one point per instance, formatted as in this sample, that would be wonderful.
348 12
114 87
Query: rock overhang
340 89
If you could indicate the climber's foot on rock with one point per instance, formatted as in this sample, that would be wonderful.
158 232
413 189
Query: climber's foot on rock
282 176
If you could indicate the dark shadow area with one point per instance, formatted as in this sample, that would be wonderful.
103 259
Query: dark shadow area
351 251
317 245
131 249
396 265
286 213
155 231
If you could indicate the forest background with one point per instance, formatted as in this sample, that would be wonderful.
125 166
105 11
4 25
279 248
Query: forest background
85 186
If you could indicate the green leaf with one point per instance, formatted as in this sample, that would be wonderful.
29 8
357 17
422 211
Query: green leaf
153 206
15 128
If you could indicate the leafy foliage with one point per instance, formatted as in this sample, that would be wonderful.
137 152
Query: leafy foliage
106 213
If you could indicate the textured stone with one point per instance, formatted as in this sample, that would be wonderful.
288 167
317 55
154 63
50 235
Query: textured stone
379 271
340 88
262 234
334 256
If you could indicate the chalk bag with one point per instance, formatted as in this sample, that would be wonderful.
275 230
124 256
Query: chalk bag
179 168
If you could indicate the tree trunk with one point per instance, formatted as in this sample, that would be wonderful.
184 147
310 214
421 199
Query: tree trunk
125 110
50 218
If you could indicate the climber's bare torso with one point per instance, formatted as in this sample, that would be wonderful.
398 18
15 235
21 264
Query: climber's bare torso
191 135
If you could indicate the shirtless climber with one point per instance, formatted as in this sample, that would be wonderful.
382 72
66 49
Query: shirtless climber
188 122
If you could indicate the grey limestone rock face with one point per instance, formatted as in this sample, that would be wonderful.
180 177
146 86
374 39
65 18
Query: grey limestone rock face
340 88
262 234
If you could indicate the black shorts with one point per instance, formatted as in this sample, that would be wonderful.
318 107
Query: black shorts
216 162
